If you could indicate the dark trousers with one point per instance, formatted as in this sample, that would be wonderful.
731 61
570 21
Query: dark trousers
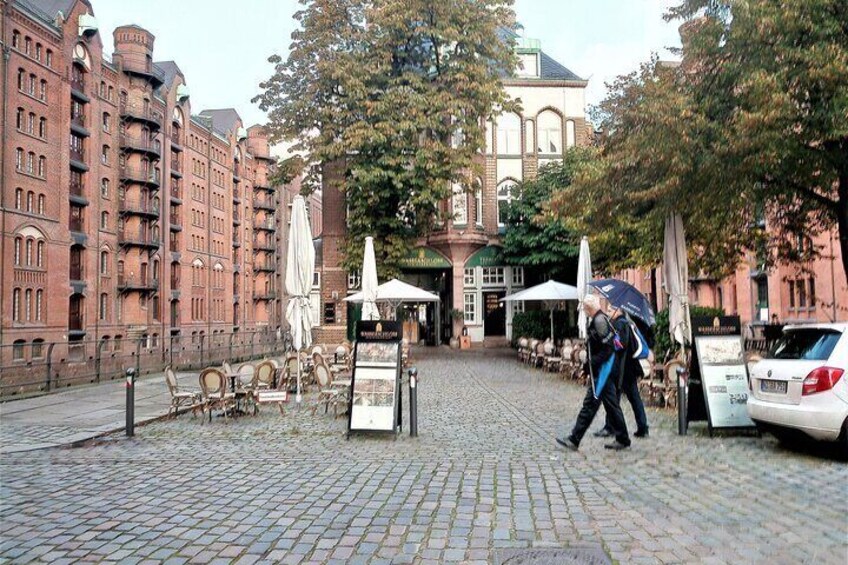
630 389
609 398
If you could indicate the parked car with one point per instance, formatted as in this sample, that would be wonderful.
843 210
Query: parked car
802 384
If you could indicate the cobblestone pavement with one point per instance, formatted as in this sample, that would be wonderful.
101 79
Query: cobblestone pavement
484 478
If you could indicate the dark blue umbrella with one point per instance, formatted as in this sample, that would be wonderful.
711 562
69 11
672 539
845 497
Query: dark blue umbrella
624 296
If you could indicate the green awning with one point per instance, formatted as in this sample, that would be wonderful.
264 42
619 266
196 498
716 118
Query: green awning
425 258
489 256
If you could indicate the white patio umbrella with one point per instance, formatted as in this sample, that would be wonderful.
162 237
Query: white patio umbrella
299 271
676 280
395 293
551 293
369 282
584 277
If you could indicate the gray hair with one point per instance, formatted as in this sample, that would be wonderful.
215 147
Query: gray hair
592 301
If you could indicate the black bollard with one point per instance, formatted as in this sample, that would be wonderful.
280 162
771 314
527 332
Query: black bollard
682 400
413 402
130 402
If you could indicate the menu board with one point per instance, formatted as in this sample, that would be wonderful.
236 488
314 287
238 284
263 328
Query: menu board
375 390
724 380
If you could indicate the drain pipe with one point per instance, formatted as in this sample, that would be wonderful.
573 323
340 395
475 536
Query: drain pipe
6 55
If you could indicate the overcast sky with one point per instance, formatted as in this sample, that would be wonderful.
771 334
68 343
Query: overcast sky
222 46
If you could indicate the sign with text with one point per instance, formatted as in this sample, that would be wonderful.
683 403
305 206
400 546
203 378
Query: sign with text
375 386
719 364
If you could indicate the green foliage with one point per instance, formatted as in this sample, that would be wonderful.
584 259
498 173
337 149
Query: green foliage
664 344
751 126
537 324
536 237
287 170
397 91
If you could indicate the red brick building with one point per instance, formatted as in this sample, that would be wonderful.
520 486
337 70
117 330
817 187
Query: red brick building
124 215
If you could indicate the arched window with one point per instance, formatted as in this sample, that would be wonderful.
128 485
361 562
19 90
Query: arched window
31 124
29 245
16 305
570 134
27 45
30 201
478 203
16 39
104 262
107 122
30 164
42 166
19 159
104 307
104 220
509 134
550 133
19 198
104 188
32 82
42 93
459 205
49 59
18 350
37 346
41 199
39 253
20 119
42 128
28 305
39 303
19 242
104 155
505 190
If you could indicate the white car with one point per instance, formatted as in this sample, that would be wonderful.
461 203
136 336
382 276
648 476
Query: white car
803 384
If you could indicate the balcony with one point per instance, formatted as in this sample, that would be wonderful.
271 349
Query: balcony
78 88
136 284
264 295
236 218
176 193
266 225
76 224
139 113
176 143
236 242
76 188
75 323
140 144
176 224
77 154
236 172
265 267
264 204
151 72
140 175
140 239
139 207
262 185
78 125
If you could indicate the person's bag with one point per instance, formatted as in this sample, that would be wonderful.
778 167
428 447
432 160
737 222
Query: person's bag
638 344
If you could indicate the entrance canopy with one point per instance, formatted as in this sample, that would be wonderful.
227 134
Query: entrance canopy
397 292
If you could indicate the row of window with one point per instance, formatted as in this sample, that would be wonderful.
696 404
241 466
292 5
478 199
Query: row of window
34 203
32 85
25 45
493 276
198 168
802 293
507 136
30 164
27 305
198 192
31 124
37 350
29 252
198 311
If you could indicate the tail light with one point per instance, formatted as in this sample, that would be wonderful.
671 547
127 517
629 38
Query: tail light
820 380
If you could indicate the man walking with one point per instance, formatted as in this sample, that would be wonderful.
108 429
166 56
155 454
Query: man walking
601 343
628 382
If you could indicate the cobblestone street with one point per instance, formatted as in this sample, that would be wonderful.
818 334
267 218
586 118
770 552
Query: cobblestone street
484 477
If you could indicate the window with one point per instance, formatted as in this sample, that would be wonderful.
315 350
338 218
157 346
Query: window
812 291
31 124
470 308
517 306
104 220
27 45
104 188
16 305
39 301
19 198
354 280
18 247
29 246
37 348
42 166
802 293
49 59
518 276
470 278
107 122
39 253
550 133
42 128
18 350
19 159
493 276
460 205
505 190
28 305
791 294
104 155
41 200
21 119
509 134
104 307
42 93
38 51
30 164
16 39
570 134
478 207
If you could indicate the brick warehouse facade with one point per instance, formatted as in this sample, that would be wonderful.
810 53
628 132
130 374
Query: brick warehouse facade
124 215
460 261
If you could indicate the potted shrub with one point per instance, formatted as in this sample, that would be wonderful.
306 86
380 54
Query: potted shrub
457 319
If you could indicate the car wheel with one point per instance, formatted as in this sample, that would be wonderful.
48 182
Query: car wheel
843 441
784 436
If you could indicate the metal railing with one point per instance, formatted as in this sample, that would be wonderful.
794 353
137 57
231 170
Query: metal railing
139 206
36 368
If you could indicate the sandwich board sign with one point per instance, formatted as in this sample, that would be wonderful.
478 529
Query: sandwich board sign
718 364
375 395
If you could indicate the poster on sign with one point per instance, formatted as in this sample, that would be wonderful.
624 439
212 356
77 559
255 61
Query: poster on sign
375 386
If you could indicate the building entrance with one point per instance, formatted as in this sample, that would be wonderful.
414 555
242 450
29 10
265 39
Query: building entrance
494 314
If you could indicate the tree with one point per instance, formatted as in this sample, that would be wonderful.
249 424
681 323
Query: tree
398 91
534 236
750 131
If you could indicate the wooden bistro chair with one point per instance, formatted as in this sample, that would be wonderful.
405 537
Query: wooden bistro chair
551 361
265 375
181 397
213 387
329 393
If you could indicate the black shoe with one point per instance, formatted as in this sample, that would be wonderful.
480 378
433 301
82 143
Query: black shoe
567 443
642 433
603 432
616 445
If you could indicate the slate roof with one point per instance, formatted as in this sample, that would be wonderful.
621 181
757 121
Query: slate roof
223 120
549 68
46 10
171 71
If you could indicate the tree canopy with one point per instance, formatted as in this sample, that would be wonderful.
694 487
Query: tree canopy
747 139
399 91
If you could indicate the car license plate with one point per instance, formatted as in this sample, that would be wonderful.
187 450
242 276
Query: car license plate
773 387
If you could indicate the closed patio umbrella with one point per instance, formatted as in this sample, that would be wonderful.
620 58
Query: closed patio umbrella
369 282
676 279
299 271
584 277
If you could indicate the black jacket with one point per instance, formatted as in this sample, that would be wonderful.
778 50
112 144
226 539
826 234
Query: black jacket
600 341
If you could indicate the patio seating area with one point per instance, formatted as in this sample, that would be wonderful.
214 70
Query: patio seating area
231 391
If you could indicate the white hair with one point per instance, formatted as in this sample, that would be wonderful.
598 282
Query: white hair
592 301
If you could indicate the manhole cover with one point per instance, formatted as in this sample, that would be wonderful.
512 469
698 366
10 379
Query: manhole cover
569 556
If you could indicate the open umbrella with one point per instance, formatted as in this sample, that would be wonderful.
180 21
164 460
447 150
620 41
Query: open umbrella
624 296
369 282
551 293
395 293
584 276
676 278
299 271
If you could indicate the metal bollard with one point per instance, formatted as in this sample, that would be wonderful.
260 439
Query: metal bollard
413 402
130 402
682 401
